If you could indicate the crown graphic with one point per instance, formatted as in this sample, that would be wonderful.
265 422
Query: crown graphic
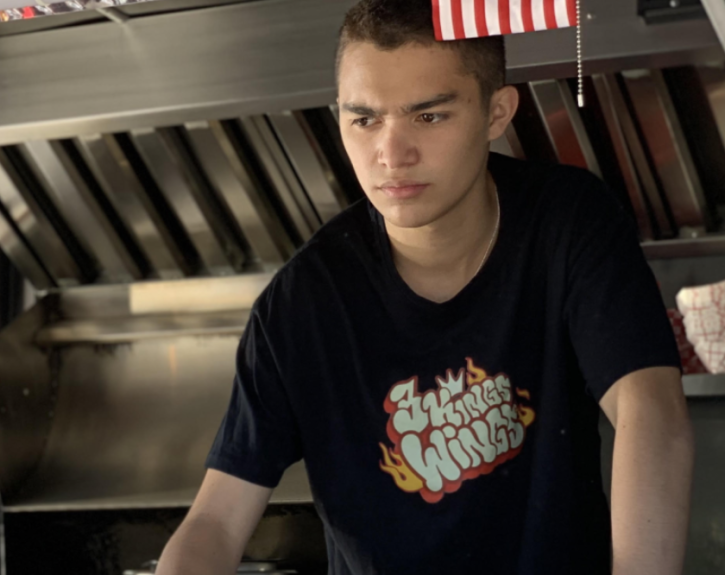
453 384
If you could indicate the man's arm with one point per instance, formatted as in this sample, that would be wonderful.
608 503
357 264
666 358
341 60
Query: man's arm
652 471
212 537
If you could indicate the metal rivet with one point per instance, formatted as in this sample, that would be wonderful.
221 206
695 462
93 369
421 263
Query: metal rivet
590 16
26 392
674 3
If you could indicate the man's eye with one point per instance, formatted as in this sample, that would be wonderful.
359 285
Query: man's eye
362 122
430 118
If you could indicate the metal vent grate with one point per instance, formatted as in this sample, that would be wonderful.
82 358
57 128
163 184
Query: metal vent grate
210 198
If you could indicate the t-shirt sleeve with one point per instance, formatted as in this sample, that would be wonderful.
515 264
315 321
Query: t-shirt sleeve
616 317
258 437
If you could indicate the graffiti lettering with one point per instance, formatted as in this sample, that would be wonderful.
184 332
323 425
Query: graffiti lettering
450 434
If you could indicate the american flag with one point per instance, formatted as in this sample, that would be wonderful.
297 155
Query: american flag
461 19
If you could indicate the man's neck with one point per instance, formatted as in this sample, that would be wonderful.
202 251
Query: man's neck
439 259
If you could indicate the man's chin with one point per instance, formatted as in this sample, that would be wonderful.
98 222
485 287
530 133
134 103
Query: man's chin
406 217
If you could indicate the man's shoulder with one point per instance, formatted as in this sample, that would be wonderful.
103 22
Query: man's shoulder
326 254
542 176
553 193
334 240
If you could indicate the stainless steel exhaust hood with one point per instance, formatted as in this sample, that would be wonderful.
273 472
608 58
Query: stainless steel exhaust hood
265 56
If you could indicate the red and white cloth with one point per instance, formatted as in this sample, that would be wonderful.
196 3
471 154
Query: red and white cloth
703 309
691 363
461 19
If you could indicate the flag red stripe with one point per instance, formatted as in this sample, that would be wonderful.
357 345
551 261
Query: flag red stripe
571 11
437 20
481 24
504 16
527 16
457 12
550 14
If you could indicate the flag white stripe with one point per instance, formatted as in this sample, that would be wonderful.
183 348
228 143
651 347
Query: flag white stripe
516 16
492 22
537 11
562 17
469 18
446 20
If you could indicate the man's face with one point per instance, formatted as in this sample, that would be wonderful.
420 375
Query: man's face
415 129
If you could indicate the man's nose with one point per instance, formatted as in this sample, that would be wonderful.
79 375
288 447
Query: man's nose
397 149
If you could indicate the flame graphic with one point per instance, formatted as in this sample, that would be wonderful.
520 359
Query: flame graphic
526 414
475 374
404 477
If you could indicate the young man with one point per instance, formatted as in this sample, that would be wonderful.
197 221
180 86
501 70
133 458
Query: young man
438 354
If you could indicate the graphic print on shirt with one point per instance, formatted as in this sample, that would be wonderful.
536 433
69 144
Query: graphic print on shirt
464 429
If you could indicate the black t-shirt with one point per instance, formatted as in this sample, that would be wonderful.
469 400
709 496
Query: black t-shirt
458 436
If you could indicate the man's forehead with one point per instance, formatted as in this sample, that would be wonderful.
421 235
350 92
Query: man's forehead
401 77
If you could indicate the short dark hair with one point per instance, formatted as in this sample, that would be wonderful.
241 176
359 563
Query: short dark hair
390 24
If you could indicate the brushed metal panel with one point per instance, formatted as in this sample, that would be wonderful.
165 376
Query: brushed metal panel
688 198
713 80
716 13
577 126
709 245
136 329
704 385
17 251
121 186
80 210
566 130
233 244
148 73
35 228
639 156
624 158
176 187
150 68
148 413
667 146
234 185
689 94
27 398
280 173
309 163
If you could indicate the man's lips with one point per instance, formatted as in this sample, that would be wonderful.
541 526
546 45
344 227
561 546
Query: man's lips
403 189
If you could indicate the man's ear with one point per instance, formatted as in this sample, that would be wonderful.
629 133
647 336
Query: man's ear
501 110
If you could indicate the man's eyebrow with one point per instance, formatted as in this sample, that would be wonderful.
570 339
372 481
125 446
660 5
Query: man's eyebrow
361 110
439 100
